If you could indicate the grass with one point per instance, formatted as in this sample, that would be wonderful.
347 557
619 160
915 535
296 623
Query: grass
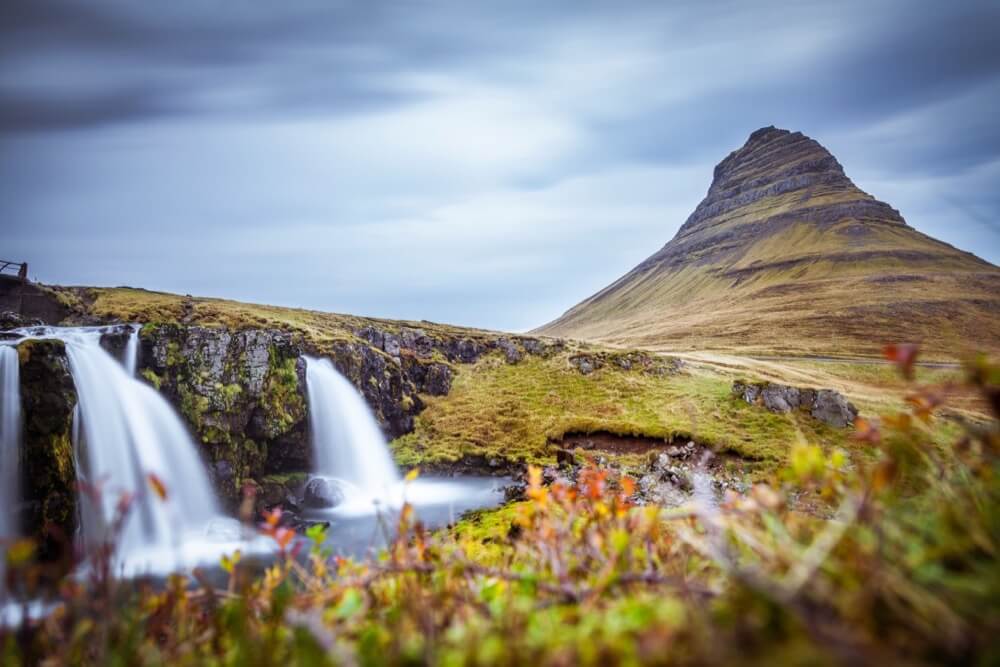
131 304
512 412
484 535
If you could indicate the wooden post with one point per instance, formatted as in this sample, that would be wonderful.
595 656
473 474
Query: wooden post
23 272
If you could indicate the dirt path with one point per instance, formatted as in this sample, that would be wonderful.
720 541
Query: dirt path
854 360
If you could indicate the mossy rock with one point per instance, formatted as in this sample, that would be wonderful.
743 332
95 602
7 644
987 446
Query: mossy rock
48 465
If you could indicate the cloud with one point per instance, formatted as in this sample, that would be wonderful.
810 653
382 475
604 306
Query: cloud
482 163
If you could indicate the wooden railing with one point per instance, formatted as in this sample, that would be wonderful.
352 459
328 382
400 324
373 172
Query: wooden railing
18 268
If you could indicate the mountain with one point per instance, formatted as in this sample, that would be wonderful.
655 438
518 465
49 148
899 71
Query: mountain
786 255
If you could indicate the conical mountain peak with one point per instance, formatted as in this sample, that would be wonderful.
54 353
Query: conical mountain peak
786 252
773 163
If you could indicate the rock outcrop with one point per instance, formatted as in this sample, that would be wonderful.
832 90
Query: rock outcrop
588 362
242 392
826 405
48 469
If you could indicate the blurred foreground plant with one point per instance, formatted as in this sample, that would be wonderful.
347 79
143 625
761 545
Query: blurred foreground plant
886 557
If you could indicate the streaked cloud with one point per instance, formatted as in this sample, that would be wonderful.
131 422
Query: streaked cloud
481 163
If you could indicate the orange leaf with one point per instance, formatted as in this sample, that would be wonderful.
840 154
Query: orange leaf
628 486
866 431
158 486
885 473
283 536
273 517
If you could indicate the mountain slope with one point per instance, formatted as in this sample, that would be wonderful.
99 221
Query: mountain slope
786 255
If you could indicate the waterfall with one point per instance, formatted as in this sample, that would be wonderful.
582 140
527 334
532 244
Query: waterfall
10 437
128 432
132 351
124 431
347 441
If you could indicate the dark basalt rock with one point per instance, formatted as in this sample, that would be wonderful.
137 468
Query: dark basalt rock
48 469
826 405
321 493
512 353
585 364
418 341
432 378
115 340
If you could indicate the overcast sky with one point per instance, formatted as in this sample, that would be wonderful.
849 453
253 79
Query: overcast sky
486 164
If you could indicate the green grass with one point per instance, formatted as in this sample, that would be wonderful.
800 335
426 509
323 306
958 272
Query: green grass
512 412
484 535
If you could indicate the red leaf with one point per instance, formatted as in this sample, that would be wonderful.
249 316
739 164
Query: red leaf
904 355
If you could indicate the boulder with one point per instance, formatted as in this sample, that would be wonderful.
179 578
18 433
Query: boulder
468 351
115 340
658 491
780 398
826 405
511 351
322 493
585 364
833 408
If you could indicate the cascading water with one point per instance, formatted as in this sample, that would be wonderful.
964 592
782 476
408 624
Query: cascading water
10 436
347 441
132 351
351 450
126 435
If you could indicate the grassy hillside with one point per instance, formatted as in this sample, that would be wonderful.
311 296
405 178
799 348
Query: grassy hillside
514 413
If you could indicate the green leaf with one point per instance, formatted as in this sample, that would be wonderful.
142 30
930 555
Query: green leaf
349 605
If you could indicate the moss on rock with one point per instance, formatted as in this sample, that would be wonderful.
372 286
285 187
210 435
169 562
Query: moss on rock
48 465
241 392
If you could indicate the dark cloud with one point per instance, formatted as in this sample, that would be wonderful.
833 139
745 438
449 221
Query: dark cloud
486 163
